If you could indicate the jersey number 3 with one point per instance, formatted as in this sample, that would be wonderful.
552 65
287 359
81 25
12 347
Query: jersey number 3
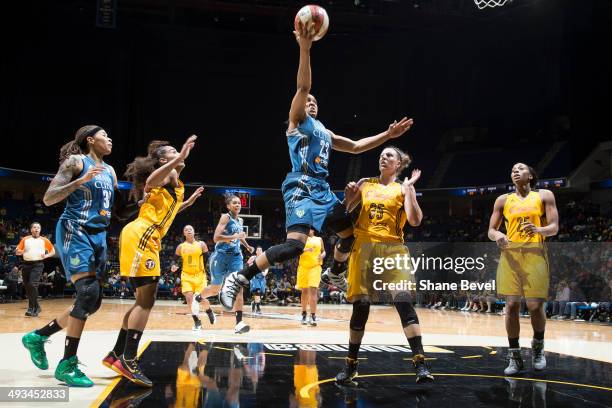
107 197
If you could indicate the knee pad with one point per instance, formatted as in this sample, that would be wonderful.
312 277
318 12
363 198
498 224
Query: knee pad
88 298
359 317
344 245
291 248
406 313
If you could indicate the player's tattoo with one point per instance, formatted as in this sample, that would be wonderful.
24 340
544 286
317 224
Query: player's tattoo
61 185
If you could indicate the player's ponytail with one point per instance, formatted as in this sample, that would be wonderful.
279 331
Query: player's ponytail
141 168
404 159
79 144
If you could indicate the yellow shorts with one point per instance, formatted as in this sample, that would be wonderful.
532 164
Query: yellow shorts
139 246
523 272
308 277
367 272
193 283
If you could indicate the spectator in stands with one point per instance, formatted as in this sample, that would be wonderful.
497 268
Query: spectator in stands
13 282
46 285
562 296
577 298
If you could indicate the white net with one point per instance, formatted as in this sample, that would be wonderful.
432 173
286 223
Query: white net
481 4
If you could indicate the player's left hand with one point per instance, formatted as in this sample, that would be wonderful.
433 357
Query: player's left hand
414 177
196 194
250 249
396 129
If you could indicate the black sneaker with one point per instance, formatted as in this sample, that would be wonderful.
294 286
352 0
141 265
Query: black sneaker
131 370
29 312
36 311
346 376
421 368
304 320
313 320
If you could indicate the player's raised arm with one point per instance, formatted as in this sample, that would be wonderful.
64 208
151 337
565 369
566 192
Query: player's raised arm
192 199
414 214
297 112
347 145
159 177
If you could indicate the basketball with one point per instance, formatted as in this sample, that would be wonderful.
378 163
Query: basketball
315 18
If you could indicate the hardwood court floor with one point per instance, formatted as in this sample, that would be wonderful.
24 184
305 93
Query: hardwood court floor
172 315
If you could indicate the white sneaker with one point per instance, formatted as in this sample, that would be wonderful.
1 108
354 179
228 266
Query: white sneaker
515 362
537 355
241 328
195 307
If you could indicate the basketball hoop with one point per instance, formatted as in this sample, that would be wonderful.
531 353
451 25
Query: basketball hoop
489 3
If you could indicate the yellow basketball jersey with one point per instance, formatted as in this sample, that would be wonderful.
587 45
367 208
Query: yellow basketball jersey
518 211
310 259
193 261
382 216
160 208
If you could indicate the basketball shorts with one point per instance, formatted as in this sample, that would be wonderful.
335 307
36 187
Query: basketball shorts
523 272
371 274
222 264
308 277
193 282
258 284
308 200
139 247
80 250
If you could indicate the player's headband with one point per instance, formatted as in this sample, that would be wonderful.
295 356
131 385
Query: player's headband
91 132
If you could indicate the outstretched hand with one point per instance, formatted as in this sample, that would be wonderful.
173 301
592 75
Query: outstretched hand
196 194
408 182
396 129
189 144
304 37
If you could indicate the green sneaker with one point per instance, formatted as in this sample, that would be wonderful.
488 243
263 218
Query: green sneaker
35 344
68 371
